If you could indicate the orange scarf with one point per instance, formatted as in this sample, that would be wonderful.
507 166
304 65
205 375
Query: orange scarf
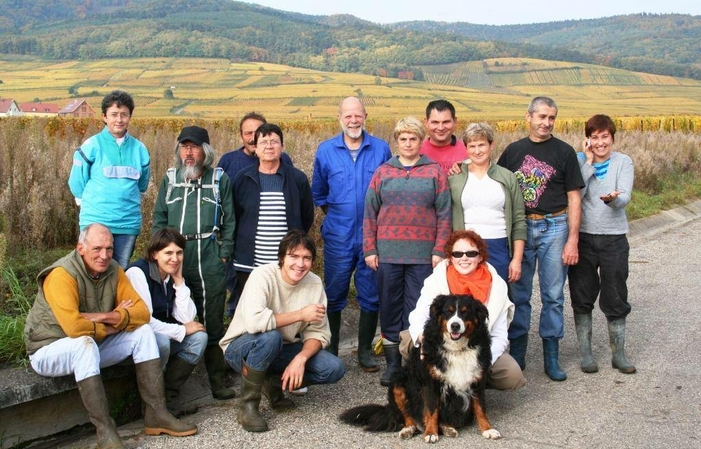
478 283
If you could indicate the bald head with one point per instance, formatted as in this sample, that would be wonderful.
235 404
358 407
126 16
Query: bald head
352 115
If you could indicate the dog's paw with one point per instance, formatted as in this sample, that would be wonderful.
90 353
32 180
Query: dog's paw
430 438
449 431
407 432
491 434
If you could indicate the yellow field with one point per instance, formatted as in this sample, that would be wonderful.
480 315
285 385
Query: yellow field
494 89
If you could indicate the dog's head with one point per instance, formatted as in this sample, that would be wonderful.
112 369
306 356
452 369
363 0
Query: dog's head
458 316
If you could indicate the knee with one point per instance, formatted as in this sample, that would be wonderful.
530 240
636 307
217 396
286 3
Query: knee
334 369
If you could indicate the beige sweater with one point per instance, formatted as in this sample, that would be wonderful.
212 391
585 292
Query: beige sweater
266 294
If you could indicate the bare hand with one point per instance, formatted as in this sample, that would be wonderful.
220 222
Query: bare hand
313 312
125 304
95 317
435 260
570 255
514 270
372 262
178 276
609 197
454 169
294 374
588 153
192 327
109 330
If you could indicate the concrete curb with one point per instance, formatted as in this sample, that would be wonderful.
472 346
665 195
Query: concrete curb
664 221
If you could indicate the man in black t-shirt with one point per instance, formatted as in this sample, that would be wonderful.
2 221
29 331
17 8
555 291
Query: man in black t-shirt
550 180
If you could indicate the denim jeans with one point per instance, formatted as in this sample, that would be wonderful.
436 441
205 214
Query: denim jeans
123 248
83 357
267 352
190 350
544 245
499 257
602 271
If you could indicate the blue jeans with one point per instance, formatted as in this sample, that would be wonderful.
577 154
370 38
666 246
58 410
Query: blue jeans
544 245
499 257
267 352
190 350
123 248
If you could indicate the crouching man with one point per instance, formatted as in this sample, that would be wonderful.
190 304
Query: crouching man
279 329
87 316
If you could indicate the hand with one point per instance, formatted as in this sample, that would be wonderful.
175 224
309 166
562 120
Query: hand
609 197
435 260
192 327
588 153
109 330
178 276
570 254
514 270
313 312
454 169
372 262
125 304
95 317
294 374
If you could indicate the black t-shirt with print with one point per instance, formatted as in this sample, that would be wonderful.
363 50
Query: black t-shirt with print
546 171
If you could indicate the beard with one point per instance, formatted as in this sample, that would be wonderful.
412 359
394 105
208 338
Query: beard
192 171
353 133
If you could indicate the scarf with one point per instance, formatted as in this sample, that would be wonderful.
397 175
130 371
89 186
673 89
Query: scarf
478 283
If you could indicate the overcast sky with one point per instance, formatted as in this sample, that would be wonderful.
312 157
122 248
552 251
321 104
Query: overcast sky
490 12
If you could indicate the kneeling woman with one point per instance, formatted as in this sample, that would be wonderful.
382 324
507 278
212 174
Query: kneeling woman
465 271
158 279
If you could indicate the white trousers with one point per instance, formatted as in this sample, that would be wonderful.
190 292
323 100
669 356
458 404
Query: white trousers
83 356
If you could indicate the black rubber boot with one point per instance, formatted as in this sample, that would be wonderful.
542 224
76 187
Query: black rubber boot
394 362
177 373
216 371
157 418
517 350
335 326
582 323
550 360
617 340
92 392
272 389
367 325
249 415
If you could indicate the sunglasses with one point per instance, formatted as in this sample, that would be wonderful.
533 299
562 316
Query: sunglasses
459 254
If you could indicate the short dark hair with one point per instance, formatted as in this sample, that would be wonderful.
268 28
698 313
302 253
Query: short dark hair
470 235
549 102
161 239
267 129
251 116
119 98
293 239
600 122
440 106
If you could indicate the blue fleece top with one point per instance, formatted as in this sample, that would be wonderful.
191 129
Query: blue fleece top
107 181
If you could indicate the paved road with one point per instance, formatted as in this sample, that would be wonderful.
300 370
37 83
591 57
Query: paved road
660 406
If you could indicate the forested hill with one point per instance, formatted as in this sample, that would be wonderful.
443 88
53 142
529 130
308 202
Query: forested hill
94 29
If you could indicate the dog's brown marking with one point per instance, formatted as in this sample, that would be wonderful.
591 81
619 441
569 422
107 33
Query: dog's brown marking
430 424
480 415
402 404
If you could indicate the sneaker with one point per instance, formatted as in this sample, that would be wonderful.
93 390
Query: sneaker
300 391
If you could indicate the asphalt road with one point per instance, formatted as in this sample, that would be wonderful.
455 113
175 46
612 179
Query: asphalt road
659 406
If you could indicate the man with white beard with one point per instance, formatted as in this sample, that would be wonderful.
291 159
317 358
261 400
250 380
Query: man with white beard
196 199
343 167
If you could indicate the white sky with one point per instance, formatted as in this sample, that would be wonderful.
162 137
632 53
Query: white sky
490 12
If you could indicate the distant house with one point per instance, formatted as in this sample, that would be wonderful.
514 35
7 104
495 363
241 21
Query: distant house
9 108
77 108
39 109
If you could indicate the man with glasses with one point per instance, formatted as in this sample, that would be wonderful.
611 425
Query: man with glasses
196 200
110 173
270 198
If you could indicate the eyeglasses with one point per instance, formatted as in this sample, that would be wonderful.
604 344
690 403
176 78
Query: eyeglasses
459 254
190 146
264 143
114 115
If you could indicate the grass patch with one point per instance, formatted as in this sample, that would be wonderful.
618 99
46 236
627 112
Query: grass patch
673 190
15 308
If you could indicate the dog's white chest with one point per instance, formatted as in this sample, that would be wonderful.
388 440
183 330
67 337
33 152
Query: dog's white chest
462 369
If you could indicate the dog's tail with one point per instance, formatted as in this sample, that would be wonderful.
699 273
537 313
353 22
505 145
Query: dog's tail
374 418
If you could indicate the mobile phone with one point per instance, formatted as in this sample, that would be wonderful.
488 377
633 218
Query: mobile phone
588 142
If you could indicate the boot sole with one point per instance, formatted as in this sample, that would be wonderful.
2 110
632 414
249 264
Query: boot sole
174 433
370 369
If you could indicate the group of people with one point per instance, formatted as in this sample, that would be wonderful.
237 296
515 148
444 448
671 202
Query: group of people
438 217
